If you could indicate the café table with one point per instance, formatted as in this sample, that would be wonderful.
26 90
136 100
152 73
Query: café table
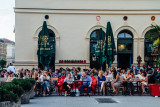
107 84
134 80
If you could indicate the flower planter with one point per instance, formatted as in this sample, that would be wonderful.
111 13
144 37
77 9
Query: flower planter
10 104
32 93
25 98
18 104
5 104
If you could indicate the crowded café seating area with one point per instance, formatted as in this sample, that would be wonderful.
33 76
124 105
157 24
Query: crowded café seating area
87 82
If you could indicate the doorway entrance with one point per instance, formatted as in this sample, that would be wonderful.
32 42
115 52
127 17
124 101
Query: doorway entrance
125 49
125 60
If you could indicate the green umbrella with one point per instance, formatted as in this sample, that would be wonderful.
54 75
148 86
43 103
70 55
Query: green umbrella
99 47
110 49
44 47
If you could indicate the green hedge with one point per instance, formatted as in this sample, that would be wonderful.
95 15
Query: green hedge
11 91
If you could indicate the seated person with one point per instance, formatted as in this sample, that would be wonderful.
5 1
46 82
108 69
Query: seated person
144 82
68 82
36 86
113 77
129 85
139 74
101 82
7 76
1 74
12 76
86 77
63 73
76 76
105 74
55 74
50 72
46 79
117 82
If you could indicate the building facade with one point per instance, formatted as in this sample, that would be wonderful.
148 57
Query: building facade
75 25
10 50
3 52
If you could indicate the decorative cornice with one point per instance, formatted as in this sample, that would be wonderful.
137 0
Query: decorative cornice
88 11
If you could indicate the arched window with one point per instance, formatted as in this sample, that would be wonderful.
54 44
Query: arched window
125 34
151 53
125 49
93 43
52 42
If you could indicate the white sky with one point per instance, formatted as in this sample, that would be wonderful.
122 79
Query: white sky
7 19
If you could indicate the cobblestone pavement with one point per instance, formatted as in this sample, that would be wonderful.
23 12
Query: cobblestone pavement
86 101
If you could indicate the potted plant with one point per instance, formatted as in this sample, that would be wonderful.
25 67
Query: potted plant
10 95
27 85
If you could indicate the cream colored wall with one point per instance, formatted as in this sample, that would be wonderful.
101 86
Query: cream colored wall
73 27
89 4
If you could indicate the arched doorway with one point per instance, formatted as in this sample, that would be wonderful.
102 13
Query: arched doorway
93 43
151 53
125 49
52 41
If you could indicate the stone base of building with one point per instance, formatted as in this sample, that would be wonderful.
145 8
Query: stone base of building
30 65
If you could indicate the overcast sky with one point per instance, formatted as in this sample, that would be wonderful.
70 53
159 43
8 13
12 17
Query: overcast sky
7 19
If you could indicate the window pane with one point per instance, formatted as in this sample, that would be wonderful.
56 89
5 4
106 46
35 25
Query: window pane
94 35
128 35
121 35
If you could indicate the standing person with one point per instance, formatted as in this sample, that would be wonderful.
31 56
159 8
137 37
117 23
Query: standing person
137 68
150 73
86 77
157 75
68 82
101 82
11 68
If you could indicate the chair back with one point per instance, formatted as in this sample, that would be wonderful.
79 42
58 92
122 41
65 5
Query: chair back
54 79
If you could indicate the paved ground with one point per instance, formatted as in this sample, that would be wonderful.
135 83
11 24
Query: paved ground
86 101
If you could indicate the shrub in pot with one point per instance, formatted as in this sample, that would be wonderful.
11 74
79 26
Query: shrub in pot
26 85
7 95
15 88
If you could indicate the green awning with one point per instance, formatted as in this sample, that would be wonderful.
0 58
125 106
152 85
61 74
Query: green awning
148 47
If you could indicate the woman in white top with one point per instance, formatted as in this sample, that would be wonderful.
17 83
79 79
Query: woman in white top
68 82
144 82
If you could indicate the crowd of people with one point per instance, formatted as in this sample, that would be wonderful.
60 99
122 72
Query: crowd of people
117 77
